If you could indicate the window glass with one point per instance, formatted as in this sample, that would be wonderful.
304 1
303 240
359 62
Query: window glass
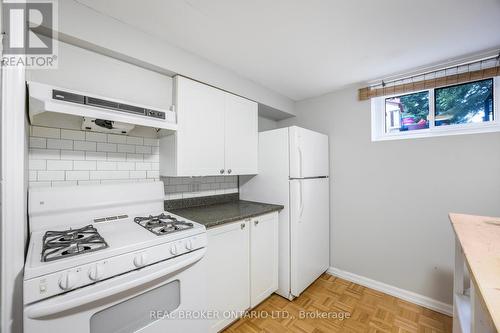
464 103
407 112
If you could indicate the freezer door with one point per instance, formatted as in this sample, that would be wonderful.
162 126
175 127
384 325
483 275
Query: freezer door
310 231
308 153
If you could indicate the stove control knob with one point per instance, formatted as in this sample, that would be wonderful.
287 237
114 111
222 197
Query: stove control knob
140 260
173 249
96 272
189 244
68 280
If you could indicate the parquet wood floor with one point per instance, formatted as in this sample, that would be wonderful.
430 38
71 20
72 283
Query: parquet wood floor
370 311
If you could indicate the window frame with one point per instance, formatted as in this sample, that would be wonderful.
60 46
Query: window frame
378 121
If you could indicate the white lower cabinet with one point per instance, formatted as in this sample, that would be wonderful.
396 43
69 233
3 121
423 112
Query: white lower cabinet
263 257
228 272
242 261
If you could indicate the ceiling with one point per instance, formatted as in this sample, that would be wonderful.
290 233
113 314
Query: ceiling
306 48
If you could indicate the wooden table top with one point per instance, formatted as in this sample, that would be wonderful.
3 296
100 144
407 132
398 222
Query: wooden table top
479 237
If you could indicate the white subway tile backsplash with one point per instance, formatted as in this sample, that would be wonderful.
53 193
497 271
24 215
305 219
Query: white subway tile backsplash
107 147
106 165
173 196
50 175
151 142
125 148
125 166
64 183
44 154
109 175
187 187
95 156
134 157
88 182
143 166
84 165
77 175
205 187
153 174
60 144
37 165
38 143
137 174
59 165
151 158
134 140
98 137
115 138
85 145
40 184
117 157
182 188
120 181
72 135
143 149
72 155
61 157
46 132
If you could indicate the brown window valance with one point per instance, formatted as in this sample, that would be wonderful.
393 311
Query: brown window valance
436 79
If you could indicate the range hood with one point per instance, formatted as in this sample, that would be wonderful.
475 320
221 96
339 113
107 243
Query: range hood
96 113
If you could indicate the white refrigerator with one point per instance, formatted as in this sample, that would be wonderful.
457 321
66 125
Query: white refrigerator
293 172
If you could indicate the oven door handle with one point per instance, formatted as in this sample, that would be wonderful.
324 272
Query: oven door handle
81 297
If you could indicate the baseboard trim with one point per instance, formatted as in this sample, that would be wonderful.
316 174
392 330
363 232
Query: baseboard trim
403 294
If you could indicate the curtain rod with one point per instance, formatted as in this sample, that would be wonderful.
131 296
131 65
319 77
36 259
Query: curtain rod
383 83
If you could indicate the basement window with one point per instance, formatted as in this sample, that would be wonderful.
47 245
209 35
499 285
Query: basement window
407 112
464 103
459 109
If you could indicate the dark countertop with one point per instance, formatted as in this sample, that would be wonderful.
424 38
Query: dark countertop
222 213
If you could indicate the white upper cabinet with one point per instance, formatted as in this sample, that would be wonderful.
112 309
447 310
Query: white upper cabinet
241 136
200 146
217 133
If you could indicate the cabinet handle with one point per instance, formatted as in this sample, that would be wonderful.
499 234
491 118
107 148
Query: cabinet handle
229 171
221 171
242 226
255 223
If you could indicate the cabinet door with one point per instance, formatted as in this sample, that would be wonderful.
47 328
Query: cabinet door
200 136
228 271
241 141
263 257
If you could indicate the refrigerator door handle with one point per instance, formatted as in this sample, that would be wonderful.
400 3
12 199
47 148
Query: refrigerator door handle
300 160
299 150
301 202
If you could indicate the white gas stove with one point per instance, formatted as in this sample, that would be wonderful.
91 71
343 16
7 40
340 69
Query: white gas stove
95 249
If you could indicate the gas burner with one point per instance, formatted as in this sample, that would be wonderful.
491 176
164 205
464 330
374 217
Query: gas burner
162 224
67 243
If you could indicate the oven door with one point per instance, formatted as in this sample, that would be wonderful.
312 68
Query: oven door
169 296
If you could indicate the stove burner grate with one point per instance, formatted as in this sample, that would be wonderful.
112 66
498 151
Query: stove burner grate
162 224
67 243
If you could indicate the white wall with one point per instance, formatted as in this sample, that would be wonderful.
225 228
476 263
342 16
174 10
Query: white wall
266 124
113 36
390 200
